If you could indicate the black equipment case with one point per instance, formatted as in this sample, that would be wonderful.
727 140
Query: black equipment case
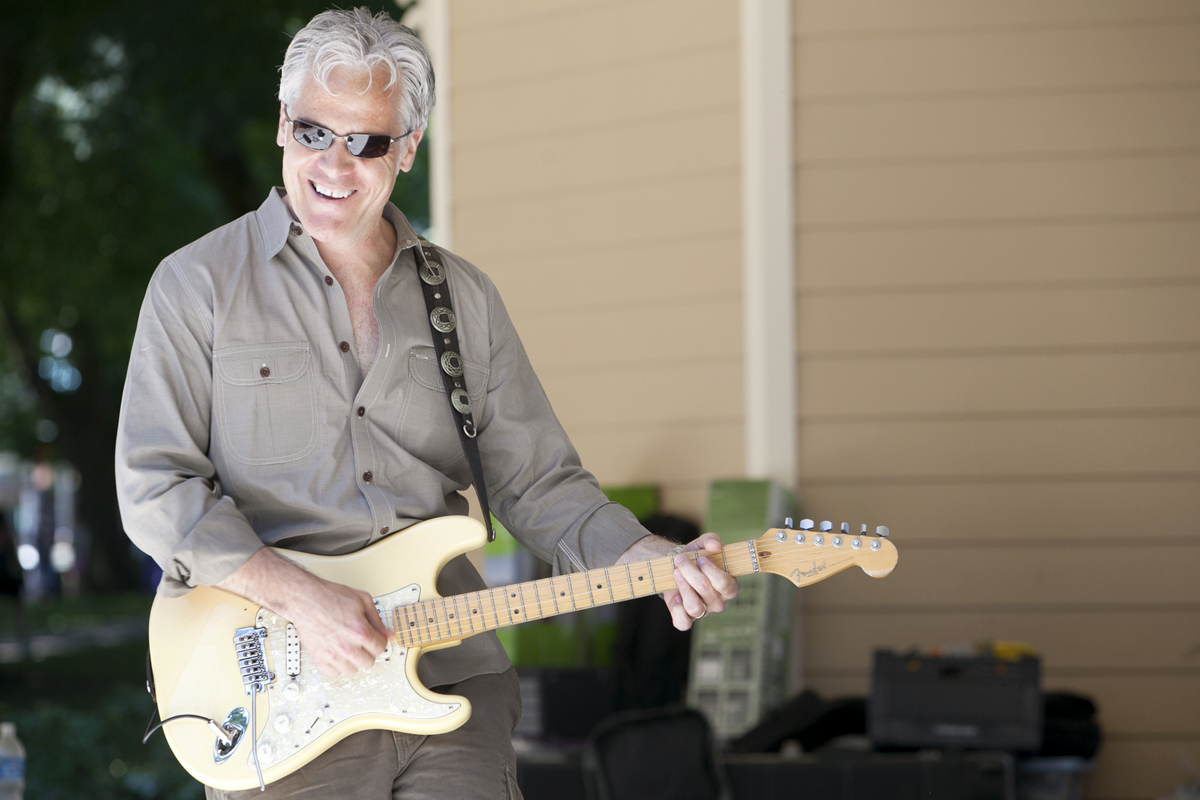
980 703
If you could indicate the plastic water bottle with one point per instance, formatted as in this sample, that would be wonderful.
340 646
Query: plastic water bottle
12 763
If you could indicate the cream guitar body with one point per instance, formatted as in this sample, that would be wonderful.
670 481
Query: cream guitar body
196 668
245 697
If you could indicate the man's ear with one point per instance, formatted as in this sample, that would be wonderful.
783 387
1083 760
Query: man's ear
281 133
410 150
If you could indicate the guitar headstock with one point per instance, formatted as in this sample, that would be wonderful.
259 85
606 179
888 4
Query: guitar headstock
806 555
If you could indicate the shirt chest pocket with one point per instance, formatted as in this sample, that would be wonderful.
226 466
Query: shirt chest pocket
265 403
426 426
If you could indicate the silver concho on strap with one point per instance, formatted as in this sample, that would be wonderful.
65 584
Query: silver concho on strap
461 401
442 319
452 363
432 273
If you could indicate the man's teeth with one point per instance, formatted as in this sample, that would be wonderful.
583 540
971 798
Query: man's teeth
325 191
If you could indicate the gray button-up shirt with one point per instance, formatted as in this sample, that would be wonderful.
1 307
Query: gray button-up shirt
246 420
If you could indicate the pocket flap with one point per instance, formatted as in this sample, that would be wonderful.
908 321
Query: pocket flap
250 365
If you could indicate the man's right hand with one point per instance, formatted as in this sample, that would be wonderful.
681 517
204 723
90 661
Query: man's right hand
338 626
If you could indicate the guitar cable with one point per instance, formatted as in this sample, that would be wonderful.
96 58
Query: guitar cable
225 737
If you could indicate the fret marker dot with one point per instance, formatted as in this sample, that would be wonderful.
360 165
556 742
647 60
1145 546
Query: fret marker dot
474 610
562 594
639 577
431 619
599 585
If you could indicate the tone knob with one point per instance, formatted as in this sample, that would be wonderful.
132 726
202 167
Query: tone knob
265 752
283 723
291 690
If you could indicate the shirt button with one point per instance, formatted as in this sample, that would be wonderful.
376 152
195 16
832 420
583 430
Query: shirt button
383 531
328 281
265 372
361 411
367 477
345 347
296 229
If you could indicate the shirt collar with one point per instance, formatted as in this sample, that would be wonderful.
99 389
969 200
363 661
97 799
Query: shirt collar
275 222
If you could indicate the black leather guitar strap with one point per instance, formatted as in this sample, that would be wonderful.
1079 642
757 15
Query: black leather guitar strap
444 326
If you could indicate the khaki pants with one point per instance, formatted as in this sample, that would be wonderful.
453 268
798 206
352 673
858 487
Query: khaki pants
473 762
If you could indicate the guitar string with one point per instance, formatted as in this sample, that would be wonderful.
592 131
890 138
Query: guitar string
739 561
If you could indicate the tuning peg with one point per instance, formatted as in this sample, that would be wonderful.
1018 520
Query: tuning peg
787 523
806 524
845 527
863 530
882 531
826 525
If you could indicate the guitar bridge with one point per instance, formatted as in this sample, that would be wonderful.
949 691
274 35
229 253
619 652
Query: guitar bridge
250 646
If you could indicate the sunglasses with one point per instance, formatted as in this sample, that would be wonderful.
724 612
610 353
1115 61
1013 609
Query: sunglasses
360 145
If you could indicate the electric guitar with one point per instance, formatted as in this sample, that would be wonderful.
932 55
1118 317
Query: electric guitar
251 707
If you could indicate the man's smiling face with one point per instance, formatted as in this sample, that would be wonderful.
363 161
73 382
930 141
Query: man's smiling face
338 198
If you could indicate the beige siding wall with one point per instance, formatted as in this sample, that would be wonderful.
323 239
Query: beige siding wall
999 338
595 178
998 262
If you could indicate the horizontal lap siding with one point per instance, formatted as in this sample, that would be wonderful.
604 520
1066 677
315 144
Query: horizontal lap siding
999 356
596 180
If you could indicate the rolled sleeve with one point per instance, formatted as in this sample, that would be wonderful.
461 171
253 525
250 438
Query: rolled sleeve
167 488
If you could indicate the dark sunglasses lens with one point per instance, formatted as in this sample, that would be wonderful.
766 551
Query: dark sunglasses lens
367 146
311 136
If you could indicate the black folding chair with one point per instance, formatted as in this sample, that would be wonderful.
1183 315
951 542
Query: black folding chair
657 754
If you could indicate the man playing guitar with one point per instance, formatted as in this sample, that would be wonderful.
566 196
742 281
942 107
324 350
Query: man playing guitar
283 390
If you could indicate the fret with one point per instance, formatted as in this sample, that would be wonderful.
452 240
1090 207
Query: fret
452 616
608 580
571 593
508 607
522 604
409 625
588 577
431 618
629 579
455 615
496 612
475 613
554 596
538 599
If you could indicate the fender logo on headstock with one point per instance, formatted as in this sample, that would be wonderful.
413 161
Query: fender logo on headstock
808 573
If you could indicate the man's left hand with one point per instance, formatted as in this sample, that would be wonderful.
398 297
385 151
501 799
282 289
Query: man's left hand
702 587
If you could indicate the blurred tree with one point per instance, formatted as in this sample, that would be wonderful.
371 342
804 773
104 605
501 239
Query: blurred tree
128 129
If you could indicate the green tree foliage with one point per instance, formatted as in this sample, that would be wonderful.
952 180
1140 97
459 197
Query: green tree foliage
130 128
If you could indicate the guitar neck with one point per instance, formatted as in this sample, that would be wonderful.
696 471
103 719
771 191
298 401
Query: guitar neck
459 616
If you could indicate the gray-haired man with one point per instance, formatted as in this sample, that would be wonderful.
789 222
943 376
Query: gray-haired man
340 437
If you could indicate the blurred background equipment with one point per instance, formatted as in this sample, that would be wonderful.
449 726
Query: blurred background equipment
739 659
